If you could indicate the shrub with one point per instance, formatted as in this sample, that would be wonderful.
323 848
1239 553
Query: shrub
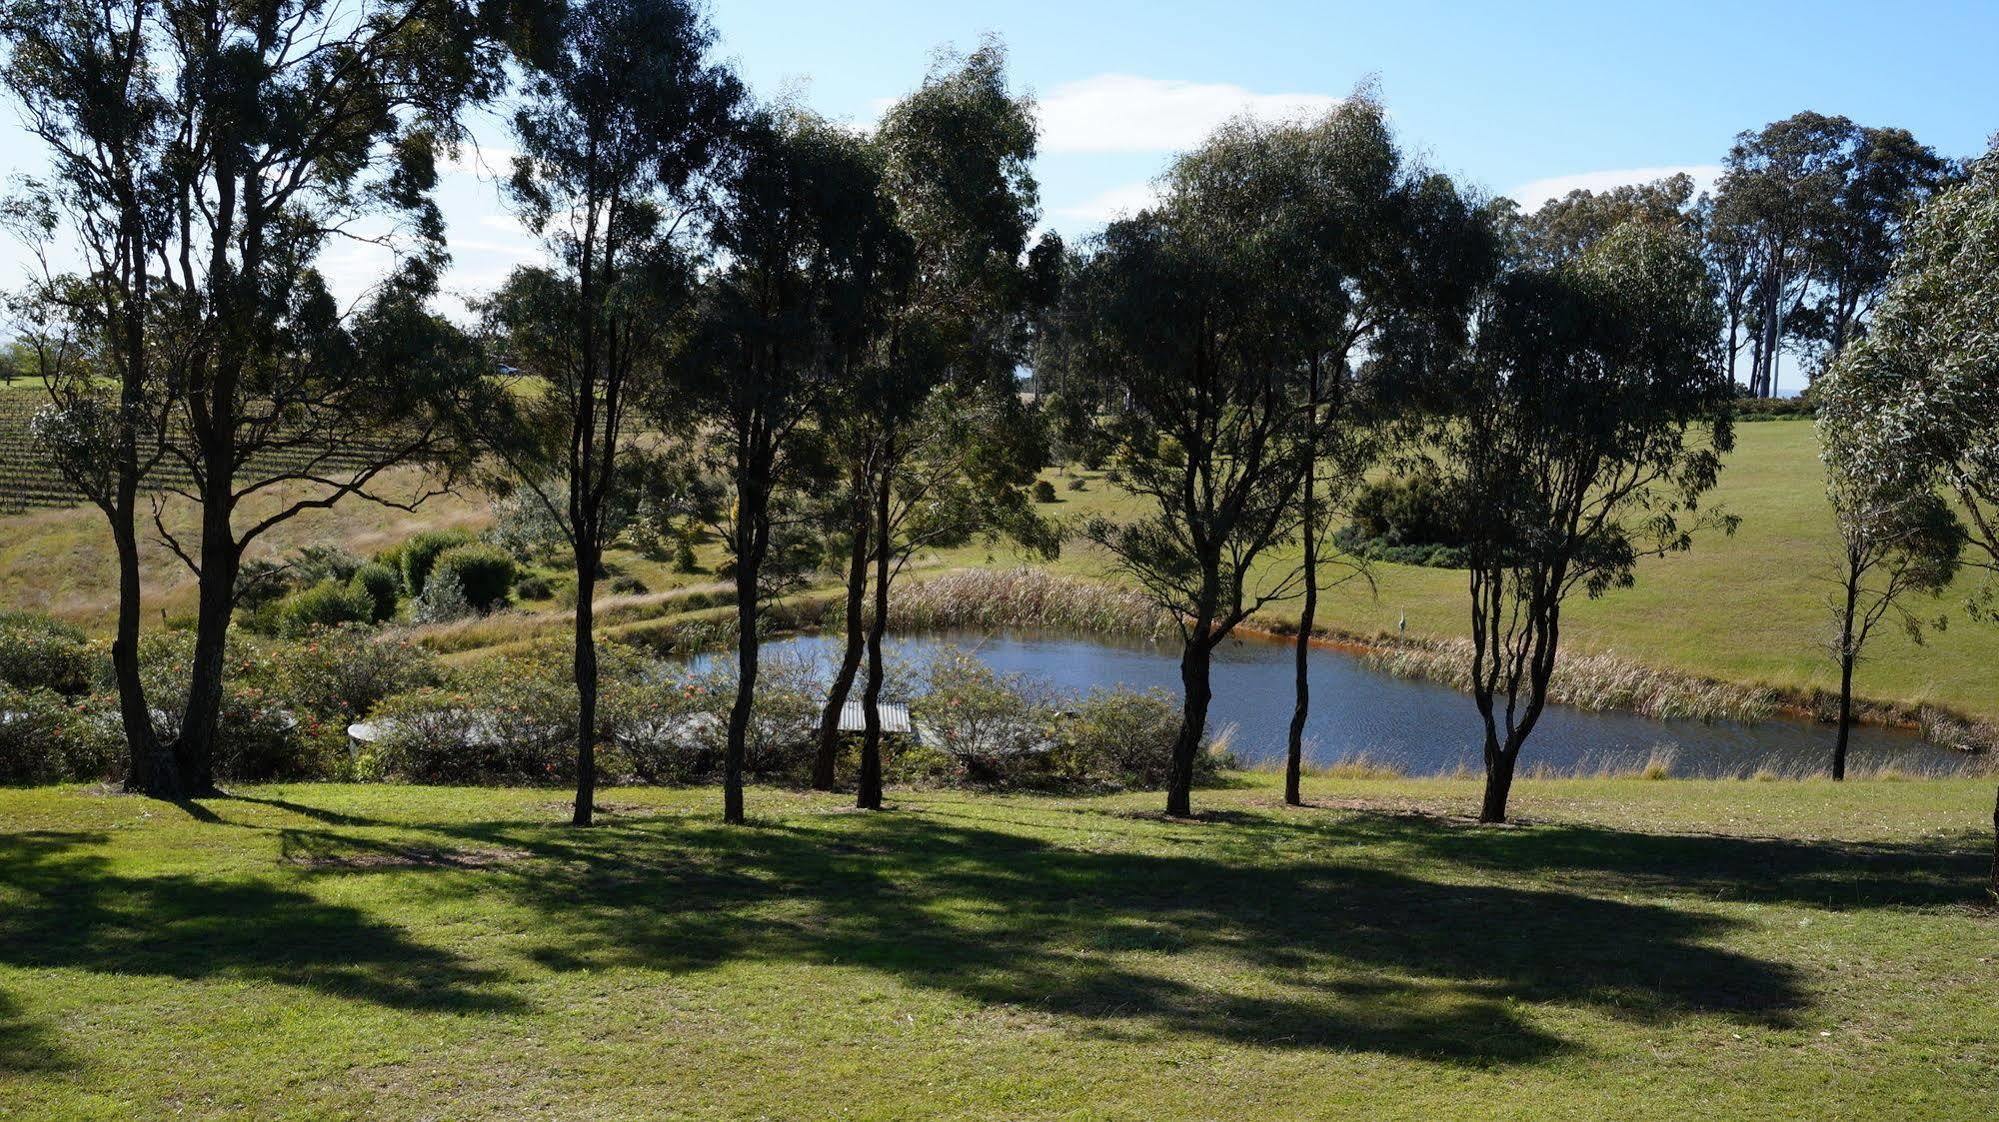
484 573
339 675
1124 738
326 604
46 738
441 601
997 728
533 586
508 720
421 551
382 586
1044 491
39 653
1406 511
258 737
1078 483
524 526
625 585
683 556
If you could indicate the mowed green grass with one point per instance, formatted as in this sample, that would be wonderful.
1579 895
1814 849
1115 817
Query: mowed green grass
1634 950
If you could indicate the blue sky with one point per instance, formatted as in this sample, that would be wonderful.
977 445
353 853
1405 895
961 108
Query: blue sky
1525 99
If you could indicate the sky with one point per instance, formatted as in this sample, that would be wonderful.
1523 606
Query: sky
1524 99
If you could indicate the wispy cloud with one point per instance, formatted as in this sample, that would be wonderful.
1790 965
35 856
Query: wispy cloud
1128 113
1118 202
1530 196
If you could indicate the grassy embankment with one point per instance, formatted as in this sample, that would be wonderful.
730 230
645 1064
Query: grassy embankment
1748 609
1637 950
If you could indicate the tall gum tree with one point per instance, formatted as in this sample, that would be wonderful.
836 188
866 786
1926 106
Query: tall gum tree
618 128
1920 393
285 126
805 249
1192 362
1584 424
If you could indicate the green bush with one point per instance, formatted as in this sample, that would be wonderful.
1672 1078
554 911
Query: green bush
39 653
421 551
327 604
382 585
337 676
47 738
1124 738
1406 511
1044 491
997 728
534 586
484 573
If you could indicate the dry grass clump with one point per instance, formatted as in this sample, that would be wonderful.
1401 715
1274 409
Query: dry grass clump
1590 681
1001 598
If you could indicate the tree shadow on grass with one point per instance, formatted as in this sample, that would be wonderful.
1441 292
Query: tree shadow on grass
68 909
1277 952
26 1046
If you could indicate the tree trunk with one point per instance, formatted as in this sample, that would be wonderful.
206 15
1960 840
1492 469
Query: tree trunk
1294 758
1498 782
870 797
585 668
1994 886
747 566
151 769
1195 660
1845 715
824 766
201 718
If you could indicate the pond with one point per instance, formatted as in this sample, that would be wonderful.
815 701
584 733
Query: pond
1421 727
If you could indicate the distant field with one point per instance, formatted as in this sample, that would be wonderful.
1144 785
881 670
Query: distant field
1750 608
1630 950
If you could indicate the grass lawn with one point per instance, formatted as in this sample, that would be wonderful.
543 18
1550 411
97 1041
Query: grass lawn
1636 950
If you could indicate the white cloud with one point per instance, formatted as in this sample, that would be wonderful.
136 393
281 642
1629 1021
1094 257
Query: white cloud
1118 202
1530 196
1127 113
483 161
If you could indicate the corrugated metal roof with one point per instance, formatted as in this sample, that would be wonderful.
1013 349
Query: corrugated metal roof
854 718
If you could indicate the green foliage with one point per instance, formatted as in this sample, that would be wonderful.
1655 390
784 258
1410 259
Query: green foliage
1406 510
48 738
419 554
484 573
531 585
998 728
327 604
1044 491
382 585
39 653
338 675
1124 738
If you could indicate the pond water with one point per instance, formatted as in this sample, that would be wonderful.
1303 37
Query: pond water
1422 727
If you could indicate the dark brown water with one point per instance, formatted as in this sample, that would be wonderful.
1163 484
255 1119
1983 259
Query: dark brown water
1420 726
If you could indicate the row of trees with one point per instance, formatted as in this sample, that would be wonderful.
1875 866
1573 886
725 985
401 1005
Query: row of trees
770 322
792 332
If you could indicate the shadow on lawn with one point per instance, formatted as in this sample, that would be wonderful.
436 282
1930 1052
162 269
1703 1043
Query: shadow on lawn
63 908
27 1046
1281 950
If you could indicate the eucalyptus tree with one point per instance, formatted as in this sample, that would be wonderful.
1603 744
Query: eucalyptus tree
233 143
81 80
618 128
1191 354
805 248
956 179
1897 538
1924 382
1366 252
1813 206
1588 418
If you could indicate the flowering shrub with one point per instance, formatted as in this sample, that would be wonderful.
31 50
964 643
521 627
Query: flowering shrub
999 729
37 652
47 738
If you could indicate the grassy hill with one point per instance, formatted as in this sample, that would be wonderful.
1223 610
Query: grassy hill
1669 950
1751 608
